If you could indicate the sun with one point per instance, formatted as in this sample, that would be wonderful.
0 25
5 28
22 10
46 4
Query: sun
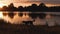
2 4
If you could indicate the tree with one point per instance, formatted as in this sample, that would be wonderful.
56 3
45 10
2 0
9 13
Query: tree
4 8
11 7
34 7
20 8
42 7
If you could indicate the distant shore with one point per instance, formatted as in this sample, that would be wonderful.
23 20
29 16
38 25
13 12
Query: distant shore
33 8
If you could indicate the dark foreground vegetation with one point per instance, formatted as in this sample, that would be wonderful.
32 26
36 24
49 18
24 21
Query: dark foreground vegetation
7 28
32 8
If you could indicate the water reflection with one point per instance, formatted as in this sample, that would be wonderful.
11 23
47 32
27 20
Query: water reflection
38 18
20 14
1 16
24 15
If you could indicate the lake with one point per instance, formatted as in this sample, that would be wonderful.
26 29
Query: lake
38 18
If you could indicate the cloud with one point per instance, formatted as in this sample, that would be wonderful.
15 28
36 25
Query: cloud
46 1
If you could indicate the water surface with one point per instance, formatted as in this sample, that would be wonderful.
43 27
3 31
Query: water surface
17 17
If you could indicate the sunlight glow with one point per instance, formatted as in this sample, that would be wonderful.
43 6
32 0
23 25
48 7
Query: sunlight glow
50 5
2 4
1 15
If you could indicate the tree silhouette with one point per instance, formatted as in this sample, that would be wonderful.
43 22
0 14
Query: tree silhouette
42 7
4 8
20 8
11 7
34 7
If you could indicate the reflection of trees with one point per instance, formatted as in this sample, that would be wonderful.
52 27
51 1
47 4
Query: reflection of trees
4 14
20 14
42 15
11 14
35 15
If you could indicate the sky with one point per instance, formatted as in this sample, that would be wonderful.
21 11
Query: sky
29 2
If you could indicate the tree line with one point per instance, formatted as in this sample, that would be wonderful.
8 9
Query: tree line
33 8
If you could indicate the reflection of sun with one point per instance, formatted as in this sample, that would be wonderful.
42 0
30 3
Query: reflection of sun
1 15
